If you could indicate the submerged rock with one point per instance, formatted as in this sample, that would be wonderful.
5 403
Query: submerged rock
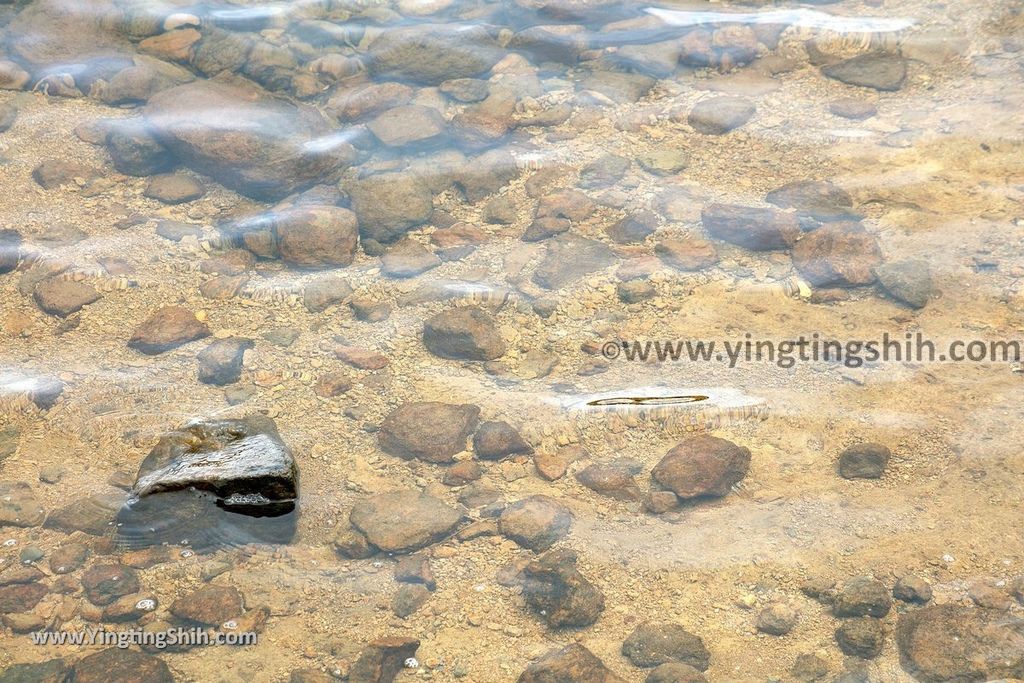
656 644
260 146
214 482
720 114
954 643
878 71
569 258
554 587
432 53
428 430
383 659
18 505
816 200
702 466
537 522
864 461
572 664
404 521
842 254
751 227
907 281
117 664
464 333
167 328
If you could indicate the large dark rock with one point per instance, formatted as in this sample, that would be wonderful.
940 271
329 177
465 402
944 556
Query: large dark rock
122 665
572 664
260 146
220 363
212 483
554 587
403 521
382 660
10 250
429 430
955 643
655 644
433 53
50 671
864 461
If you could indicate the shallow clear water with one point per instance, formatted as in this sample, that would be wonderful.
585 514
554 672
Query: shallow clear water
424 339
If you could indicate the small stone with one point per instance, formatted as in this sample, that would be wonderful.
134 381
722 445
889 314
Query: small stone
20 574
403 521
136 151
370 310
408 599
209 605
323 293
537 522
572 664
906 281
429 431
864 461
220 363
464 333
545 228
654 644
415 569
675 672
51 474
364 359
117 664
912 588
604 171
465 89
10 250
230 262
174 188
54 173
12 76
497 440
223 287
702 466
615 480
332 384
316 236
23 623
92 515
635 292
777 619
720 114
751 227
552 465
862 637
862 596
687 255
64 297
352 544
105 583
842 254
388 204
167 328
554 587
634 228
878 71
852 108
986 594
569 258
408 258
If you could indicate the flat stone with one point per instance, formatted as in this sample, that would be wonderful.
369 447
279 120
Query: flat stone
383 659
127 666
675 672
387 205
325 292
18 598
18 505
464 333
93 515
864 461
878 71
404 521
167 328
862 637
664 161
432 53
818 200
50 671
174 188
64 297
688 255
852 108
408 258
720 114
220 363
177 231
569 258
429 431
105 583
411 124
751 227
209 605
955 643
496 440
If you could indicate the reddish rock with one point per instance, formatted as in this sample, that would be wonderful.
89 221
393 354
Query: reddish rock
122 665
316 236
167 328
19 598
382 660
464 333
702 466
572 664
689 254
364 359
841 254
429 431
210 605
105 583
403 521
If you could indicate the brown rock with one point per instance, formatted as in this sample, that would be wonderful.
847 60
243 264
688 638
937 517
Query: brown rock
654 644
364 359
465 333
546 227
429 431
403 521
862 637
841 254
572 664
332 384
68 558
18 505
64 297
864 461
12 76
751 227
408 258
862 596
224 286
720 114
22 597
411 124
615 480
323 293
124 666
167 328
174 45
105 583
230 262
553 465
702 466
691 254
462 473
382 660
554 587
432 53
210 605
174 188
852 108
367 99
954 643
497 440
388 204
675 672
569 258
53 173
316 236
177 231
537 522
